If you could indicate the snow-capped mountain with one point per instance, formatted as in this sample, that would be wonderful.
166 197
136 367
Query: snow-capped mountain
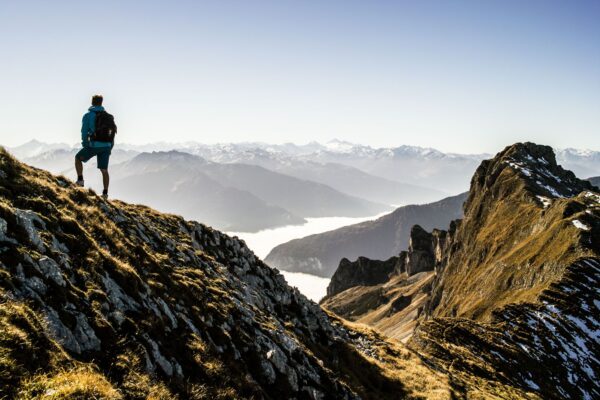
392 175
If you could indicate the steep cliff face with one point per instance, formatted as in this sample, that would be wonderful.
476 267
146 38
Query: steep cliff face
362 272
522 229
111 300
521 271
513 301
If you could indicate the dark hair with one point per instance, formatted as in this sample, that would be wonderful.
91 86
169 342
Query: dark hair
97 100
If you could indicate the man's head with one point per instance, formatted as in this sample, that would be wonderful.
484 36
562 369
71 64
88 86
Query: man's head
97 100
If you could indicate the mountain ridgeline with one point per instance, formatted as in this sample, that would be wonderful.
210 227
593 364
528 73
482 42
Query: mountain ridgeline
509 293
247 187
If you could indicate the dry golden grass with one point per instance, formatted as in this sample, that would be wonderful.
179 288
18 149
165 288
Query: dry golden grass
401 366
80 383
510 252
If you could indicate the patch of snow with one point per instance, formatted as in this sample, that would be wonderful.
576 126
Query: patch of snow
594 264
592 196
524 347
552 190
519 167
594 334
544 200
580 225
549 174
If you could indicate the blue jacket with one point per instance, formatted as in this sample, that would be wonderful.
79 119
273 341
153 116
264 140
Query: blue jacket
88 126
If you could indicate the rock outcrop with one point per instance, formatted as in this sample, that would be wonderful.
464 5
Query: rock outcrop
420 256
389 295
362 272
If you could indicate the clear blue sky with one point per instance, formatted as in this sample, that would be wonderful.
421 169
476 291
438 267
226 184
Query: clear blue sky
463 76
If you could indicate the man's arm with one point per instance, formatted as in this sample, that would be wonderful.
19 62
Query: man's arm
85 129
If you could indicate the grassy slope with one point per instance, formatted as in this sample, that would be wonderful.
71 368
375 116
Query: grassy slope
509 247
157 258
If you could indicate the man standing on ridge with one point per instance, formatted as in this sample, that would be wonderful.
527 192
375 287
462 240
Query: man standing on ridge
98 131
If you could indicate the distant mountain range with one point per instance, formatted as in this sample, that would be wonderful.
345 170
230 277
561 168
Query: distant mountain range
236 197
345 179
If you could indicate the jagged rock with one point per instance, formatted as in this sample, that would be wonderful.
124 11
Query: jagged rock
85 335
81 338
420 256
28 220
3 232
159 359
117 297
360 272
50 269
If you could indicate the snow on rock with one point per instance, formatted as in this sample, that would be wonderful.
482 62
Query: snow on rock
544 200
594 196
580 225
519 166
550 189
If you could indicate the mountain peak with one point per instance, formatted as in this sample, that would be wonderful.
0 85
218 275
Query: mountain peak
527 166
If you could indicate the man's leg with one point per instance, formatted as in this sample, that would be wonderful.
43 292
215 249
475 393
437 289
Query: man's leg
79 167
79 157
103 159
105 181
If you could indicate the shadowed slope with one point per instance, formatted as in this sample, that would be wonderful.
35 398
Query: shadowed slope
111 300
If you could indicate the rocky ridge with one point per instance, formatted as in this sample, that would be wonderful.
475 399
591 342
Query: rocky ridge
116 301
513 300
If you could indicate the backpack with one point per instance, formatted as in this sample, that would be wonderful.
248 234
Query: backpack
105 128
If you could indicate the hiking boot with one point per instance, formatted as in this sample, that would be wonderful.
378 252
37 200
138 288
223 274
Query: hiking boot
105 195
79 182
